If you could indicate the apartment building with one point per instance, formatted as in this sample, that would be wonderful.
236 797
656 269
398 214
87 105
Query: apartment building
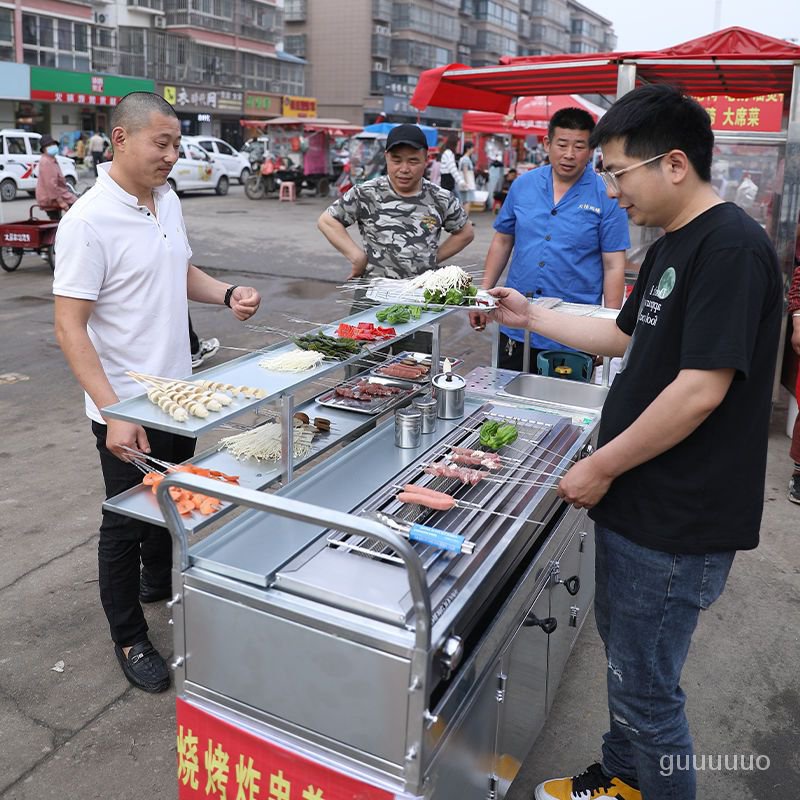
365 56
214 60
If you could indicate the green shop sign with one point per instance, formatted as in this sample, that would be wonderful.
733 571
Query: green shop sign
83 88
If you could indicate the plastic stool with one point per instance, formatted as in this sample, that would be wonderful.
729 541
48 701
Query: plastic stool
287 191
567 364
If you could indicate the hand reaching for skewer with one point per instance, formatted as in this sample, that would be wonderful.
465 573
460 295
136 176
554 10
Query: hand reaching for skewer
512 308
245 301
122 437
585 484
478 320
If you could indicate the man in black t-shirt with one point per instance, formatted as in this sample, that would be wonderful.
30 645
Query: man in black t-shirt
676 485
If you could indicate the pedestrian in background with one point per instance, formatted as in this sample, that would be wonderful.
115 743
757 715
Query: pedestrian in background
467 171
794 321
52 192
450 176
97 146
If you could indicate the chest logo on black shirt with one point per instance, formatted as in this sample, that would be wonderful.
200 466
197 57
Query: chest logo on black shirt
666 284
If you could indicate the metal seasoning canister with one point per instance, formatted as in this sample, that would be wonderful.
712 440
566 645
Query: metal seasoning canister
407 427
449 390
427 406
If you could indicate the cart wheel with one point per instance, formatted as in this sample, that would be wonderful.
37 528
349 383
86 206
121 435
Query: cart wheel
8 190
10 258
222 185
323 187
51 258
254 187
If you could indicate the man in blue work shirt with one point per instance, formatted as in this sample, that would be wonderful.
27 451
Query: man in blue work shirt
567 236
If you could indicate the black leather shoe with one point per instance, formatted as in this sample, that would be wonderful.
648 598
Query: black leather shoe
144 667
150 592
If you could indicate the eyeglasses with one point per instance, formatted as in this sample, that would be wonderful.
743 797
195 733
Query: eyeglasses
610 178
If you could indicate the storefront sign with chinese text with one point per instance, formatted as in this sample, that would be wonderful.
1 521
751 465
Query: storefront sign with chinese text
83 88
762 113
218 760
261 104
194 99
299 106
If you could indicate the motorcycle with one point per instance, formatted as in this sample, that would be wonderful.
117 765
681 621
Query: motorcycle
263 179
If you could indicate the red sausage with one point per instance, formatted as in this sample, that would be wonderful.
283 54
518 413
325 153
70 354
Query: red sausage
412 488
441 503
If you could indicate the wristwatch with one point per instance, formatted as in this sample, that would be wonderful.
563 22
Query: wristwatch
228 294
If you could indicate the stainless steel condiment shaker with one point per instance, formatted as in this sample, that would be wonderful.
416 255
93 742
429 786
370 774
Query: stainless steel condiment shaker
407 427
428 407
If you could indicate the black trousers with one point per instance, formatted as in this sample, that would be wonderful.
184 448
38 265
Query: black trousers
194 340
125 543
510 354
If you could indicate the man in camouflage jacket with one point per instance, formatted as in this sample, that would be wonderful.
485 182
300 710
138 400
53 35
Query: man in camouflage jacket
400 215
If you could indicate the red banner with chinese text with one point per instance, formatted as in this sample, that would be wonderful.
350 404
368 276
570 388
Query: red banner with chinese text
74 97
218 760
762 113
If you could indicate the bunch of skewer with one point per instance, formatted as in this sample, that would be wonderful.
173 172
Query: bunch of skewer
180 399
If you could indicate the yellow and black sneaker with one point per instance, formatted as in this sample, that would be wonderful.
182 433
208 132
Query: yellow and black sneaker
593 784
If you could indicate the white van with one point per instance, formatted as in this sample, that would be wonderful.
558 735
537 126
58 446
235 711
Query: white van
197 170
236 164
19 161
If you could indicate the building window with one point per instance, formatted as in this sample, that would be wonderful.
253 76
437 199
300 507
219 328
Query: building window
6 34
50 42
495 43
295 45
294 10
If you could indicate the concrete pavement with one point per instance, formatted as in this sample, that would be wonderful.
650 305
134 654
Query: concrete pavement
83 733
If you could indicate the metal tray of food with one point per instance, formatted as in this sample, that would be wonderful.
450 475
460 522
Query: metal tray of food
375 404
412 359
391 292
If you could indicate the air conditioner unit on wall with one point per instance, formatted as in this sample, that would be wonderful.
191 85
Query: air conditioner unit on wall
159 22
99 19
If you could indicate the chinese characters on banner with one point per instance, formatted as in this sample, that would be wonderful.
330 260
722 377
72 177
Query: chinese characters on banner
299 106
189 98
218 760
761 113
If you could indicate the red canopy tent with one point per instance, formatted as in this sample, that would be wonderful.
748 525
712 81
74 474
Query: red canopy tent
735 61
527 115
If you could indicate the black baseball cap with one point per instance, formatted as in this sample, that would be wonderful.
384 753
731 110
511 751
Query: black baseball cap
410 135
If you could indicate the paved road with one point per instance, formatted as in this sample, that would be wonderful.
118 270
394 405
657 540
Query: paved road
82 733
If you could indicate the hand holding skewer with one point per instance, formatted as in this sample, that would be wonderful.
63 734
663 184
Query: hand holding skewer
512 309
585 484
122 437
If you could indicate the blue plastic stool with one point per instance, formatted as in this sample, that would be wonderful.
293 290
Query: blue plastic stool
565 364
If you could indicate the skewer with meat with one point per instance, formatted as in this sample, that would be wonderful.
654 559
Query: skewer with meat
463 455
467 476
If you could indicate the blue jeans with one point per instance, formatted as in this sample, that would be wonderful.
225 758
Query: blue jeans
647 604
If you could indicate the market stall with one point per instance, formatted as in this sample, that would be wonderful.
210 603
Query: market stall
727 65
304 148
394 622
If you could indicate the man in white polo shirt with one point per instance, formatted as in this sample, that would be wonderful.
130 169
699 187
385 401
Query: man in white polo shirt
122 279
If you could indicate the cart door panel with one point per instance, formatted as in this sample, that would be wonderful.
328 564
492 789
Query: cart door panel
465 764
351 693
524 706
566 608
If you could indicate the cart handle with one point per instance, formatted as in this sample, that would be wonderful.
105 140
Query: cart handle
302 512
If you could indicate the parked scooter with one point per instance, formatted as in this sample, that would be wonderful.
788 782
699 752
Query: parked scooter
263 179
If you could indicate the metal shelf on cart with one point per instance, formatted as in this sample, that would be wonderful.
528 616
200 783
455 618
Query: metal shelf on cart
244 371
140 502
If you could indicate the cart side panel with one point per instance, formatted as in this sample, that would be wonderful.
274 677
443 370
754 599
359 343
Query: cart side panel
345 691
